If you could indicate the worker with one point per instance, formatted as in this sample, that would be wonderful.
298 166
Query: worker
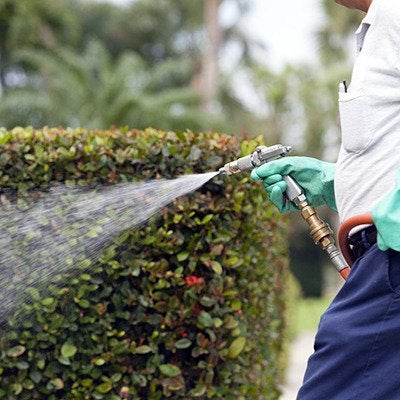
357 346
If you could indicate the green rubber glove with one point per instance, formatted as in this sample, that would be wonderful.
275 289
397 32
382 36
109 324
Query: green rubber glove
314 176
386 216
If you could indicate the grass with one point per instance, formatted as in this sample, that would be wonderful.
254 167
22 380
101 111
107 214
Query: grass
303 314
307 313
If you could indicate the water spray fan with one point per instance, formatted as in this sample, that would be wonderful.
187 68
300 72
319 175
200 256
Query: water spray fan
320 231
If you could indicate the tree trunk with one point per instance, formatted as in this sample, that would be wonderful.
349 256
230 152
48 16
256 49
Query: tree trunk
3 66
209 65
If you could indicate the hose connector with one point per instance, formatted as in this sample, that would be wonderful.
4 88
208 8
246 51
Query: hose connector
322 236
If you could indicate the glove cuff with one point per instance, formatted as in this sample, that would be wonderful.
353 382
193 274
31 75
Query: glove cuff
328 180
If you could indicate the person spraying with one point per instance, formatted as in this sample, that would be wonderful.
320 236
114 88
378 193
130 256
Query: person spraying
358 340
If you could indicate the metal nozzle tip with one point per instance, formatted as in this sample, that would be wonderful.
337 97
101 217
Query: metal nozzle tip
225 171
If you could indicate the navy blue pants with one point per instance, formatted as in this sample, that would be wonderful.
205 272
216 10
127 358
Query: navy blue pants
357 347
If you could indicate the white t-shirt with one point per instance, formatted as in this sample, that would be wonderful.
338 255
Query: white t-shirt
370 114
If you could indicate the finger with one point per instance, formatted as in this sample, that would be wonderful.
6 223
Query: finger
277 198
281 186
254 175
271 180
276 195
381 244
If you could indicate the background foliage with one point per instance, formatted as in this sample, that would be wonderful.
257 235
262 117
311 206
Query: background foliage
189 306
145 50
97 64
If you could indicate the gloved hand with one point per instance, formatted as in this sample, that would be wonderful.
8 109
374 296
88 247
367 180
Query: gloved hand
314 176
386 216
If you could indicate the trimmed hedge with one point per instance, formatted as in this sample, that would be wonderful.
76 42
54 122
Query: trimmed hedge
188 306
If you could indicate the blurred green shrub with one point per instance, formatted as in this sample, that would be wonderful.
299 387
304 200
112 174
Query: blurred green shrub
307 261
189 306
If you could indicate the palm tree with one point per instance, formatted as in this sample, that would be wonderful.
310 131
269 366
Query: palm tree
93 91
39 23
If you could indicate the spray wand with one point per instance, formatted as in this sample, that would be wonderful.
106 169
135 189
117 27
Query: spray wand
320 231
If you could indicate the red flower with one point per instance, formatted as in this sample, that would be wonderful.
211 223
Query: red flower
191 280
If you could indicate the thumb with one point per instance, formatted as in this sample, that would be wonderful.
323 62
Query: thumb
282 167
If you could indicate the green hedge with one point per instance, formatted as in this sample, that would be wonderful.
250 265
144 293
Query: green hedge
188 306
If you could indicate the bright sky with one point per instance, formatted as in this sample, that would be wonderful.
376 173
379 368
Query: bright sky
285 26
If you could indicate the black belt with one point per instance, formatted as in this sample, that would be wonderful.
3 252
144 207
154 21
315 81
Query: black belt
363 240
